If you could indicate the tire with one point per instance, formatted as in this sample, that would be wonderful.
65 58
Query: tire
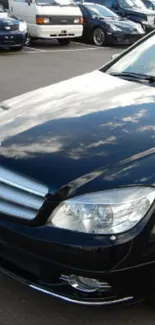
144 27
29 40
63 41
98 36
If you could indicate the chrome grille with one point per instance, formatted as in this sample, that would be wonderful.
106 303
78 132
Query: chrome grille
20 196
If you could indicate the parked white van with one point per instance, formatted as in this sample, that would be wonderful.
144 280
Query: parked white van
47 19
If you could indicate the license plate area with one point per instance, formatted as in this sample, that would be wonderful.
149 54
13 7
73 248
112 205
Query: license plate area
8 39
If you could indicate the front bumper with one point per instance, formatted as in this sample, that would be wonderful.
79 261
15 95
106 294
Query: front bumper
56 31
30 270
12 39
123 39
26 256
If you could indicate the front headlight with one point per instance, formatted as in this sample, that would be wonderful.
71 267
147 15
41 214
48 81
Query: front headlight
42 20
115 28
22 26
108 212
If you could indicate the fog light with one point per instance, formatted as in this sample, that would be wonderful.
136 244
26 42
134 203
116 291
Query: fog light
85 284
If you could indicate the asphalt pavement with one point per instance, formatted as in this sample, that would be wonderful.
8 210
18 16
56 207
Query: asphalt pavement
35 67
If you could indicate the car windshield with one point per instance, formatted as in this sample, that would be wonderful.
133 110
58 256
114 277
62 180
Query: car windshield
55 3
126 4
139 61
100 11
1 9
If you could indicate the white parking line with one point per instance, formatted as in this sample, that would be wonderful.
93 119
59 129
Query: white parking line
83 44
56 51
33 49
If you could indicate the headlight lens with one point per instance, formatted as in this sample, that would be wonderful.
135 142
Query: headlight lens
79 20
22 26
114 27
42 20
107 212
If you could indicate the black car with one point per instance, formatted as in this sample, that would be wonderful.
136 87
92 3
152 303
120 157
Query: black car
102 26
13 32
134 10
77 183
4 3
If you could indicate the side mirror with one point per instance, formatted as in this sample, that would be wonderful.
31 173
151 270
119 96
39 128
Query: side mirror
114 56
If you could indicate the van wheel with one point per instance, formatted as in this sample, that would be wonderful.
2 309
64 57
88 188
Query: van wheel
63 41
99 36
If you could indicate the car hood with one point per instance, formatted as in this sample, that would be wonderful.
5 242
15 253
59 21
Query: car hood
63 132
5 19
124 24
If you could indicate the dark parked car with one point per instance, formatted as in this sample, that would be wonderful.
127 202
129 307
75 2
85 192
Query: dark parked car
102 26
4 3
150 4
13 32
134 10
77 183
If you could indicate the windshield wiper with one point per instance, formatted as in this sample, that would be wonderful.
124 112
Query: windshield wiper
134 76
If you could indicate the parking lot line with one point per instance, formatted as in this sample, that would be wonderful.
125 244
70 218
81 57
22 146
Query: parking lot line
60 50
34 49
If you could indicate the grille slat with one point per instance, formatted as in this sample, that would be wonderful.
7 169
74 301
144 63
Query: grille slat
17 211
19 196
8 193
12 28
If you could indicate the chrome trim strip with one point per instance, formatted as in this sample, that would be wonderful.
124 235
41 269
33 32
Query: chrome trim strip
16 180
81 302
75 282
9 193
53 294
20 196
14 210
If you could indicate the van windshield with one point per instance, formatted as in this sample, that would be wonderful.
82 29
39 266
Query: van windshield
55 3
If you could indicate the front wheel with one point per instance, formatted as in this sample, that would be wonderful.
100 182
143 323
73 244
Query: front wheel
98 36
63 41
29 40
